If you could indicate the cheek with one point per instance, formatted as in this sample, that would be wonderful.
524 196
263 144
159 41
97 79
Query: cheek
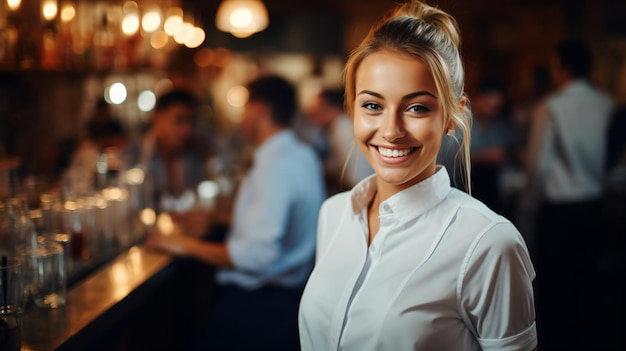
364 128
429 134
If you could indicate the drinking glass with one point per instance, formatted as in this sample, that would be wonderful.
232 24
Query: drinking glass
49 281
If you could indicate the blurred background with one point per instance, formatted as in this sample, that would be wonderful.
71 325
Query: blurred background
58 58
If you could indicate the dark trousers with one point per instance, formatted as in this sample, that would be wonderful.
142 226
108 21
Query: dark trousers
262 319
569 238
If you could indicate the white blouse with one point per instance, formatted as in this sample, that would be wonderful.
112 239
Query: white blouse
444 272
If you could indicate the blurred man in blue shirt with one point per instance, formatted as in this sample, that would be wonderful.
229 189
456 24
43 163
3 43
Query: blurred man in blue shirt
269 249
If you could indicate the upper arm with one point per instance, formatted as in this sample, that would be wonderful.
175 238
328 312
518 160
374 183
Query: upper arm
257 244
496 294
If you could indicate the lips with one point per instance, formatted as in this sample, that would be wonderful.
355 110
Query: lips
395 152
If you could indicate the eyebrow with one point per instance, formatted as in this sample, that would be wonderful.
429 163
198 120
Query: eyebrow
405 97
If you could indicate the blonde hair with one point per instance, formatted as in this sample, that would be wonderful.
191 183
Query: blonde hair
432 36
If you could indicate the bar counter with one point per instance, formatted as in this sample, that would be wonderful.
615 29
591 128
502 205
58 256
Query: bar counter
138 300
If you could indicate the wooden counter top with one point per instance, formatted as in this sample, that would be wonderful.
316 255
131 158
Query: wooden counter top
92 301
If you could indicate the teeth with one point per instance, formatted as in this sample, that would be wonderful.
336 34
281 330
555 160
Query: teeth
394 152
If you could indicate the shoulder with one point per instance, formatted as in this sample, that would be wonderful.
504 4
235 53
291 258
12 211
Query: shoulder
491 233
333 212
291 151
336 202
473 216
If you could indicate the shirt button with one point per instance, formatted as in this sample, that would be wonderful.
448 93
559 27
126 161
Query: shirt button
387 208
373 249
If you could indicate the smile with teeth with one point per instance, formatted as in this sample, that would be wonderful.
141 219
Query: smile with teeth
395 152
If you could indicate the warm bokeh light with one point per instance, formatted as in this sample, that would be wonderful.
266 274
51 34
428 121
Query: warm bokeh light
114 193
196 39
184 34
174 21
165 224
130 24
237 96
135 176
14 4
117 93
67 12
159 39
151 21
147 216
146 101
241 18
49 9
101 203
70 205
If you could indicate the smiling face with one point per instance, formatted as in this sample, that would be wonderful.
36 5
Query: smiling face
398 119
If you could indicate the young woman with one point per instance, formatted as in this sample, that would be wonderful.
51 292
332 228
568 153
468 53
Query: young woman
404 260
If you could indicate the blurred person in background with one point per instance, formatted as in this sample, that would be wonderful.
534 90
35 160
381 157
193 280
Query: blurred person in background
268 252
105 129
564 186
344 164
101 133
173 153
492 144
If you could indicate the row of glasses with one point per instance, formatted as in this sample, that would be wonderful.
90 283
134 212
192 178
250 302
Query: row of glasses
32 268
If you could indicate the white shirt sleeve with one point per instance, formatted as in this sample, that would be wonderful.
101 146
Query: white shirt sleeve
495 290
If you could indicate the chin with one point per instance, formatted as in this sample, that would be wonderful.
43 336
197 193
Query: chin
393 178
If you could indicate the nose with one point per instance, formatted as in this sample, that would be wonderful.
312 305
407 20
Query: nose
392 127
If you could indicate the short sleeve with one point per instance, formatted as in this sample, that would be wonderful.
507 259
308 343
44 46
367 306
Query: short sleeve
495 290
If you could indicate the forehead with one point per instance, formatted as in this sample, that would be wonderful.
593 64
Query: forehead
393 71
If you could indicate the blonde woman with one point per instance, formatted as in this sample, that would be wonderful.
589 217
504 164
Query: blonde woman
405 261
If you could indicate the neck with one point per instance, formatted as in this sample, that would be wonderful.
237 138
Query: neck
566 80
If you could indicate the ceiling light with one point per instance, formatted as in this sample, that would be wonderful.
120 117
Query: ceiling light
241 18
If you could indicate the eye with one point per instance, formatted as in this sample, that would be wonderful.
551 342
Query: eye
418 109
371 106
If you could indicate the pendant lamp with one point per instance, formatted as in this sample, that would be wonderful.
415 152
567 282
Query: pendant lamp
241 18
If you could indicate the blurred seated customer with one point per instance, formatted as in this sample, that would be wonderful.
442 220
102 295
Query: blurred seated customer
103 133
173 153
491 145
268 252
344 164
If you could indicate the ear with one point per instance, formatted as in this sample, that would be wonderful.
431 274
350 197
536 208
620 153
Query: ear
451 125
262 112
463 101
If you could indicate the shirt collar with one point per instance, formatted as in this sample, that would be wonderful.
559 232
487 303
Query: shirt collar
408 203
